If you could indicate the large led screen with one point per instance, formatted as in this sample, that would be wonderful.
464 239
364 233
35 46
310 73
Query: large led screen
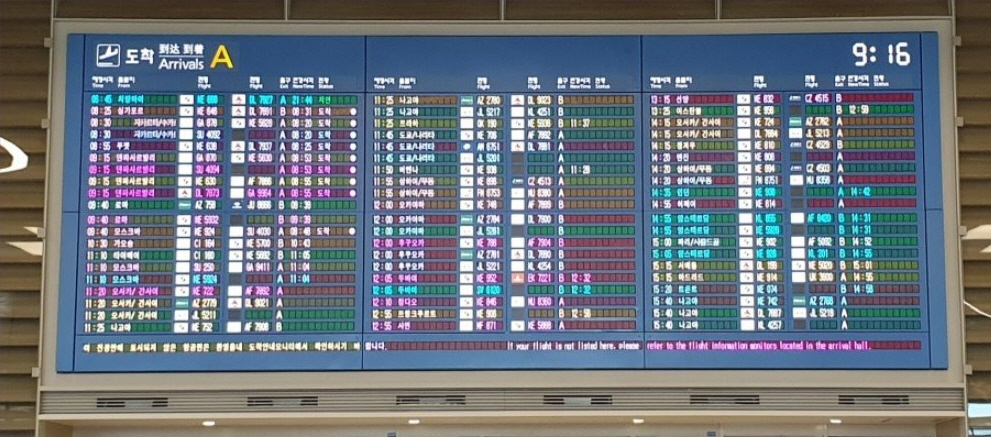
238 202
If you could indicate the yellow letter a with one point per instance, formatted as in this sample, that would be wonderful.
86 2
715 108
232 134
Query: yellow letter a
222 57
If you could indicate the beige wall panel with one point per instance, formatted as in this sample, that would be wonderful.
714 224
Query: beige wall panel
29 195
976 274
20 304
22 87
395 10
979 386
609 10
33 140
13 255
973 85
979 356
18 360
22 114
17 388
975 165
972 249
34 172
972 216
23 33
20 332
973 9
974 138
27 60
832 8
975 192
180 9
21 279
975 112
973 59
978 329
13 221
17 421
979 297
973 32
25 9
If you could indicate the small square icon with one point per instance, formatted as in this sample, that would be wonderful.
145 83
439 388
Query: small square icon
108 55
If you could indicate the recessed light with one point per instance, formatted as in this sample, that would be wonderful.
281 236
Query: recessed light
413 421
637 421
209 423
836 421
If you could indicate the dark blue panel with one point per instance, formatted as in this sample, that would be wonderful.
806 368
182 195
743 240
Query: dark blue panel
532 351
74 134
933 137
507 64
784 61
223 63
937 289
606 202
68 295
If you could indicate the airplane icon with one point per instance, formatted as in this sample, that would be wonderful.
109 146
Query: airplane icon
108 55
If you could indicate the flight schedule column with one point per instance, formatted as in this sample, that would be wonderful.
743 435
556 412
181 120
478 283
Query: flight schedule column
317 229
129 231
203 146
505 203
573 201
415 276
482 231
763 202
784 203
224 211
700 213
251 269
438 233
864 219
814 243
880 219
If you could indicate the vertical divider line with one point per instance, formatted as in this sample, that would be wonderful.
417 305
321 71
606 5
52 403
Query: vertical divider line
644 223
365 233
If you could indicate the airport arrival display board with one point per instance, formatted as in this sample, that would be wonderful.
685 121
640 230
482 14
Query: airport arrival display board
343 203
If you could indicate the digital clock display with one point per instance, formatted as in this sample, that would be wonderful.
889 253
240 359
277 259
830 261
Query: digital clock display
898 54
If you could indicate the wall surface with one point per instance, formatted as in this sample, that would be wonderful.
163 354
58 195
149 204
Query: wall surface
24 24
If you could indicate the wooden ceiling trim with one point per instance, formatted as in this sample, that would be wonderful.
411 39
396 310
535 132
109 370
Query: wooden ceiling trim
394 10
24 60
18 360
21 278
617 10
32 140
22 114
23 87
832 8
20 332
14 222
20 304
173 9
974 138
23 195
